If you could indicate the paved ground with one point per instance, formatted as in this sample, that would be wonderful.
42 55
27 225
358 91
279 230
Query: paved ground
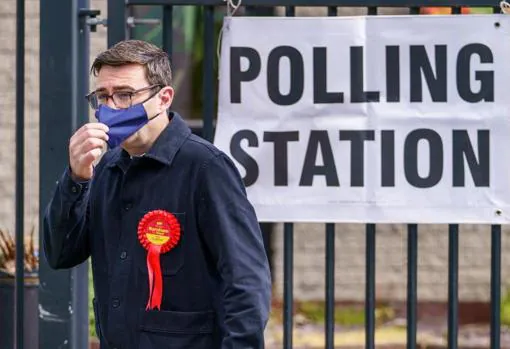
391 335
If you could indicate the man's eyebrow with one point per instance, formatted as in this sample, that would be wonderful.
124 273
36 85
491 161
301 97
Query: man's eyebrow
117 88
123 87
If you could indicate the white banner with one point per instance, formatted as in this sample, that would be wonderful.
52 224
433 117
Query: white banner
369 119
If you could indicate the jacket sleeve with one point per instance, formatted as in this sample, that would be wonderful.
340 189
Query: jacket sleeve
231 232
65 224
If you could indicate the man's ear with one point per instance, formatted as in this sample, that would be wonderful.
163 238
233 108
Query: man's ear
166 97
155 105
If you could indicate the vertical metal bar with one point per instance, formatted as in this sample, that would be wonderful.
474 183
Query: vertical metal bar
453 285
495 277
370 287
81 75
20 161
453 271
495 327
495 286
208 64
80 79
288 264
117 28
414 10
290 11
130 30
330 286
412 284
61 91
266 11
412 267
370 269
168 30
330 265
288 284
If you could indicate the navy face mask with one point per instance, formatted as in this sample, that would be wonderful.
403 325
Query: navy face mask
122 122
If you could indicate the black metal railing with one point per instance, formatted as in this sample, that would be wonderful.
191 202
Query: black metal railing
116 32
20 169
412 281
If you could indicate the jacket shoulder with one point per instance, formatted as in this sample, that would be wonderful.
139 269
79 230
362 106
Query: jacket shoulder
200 150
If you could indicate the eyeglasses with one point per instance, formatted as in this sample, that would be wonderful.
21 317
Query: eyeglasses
121 99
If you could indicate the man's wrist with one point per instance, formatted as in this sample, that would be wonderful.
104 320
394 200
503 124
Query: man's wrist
77 178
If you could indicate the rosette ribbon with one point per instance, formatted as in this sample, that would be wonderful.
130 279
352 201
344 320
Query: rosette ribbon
158 232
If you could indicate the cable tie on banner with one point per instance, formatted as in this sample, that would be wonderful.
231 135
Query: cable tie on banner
232 6
218 45
505 7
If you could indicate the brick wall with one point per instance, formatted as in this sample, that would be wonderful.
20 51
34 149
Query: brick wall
309 255
8 113
391 262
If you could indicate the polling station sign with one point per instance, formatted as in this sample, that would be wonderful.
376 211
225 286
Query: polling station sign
369 119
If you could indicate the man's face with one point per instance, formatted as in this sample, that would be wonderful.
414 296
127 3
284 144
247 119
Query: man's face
125 78
128 78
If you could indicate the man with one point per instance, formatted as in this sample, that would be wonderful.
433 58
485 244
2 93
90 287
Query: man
177 255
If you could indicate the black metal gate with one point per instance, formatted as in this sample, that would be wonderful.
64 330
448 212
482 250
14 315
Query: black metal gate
64 80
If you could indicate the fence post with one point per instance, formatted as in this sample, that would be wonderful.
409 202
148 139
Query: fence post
63 315
117 29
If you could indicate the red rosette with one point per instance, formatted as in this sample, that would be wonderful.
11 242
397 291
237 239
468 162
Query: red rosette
159 225
158 232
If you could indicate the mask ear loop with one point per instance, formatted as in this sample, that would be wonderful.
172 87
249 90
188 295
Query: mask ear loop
231 10
158 114
155 116
505 7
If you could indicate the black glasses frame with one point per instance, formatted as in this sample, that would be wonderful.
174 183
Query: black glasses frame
94 103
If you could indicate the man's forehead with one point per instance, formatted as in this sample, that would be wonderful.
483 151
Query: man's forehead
120 77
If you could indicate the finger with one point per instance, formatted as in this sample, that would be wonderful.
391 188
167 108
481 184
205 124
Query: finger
86 134
91 126
77 150
89 144
94 133
88 158
95 126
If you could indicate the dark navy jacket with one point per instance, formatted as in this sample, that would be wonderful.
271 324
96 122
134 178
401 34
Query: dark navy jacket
216 281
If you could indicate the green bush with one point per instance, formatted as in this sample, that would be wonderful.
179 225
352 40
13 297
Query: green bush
346 316
92 320
505 309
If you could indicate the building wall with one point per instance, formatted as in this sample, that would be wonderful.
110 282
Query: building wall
8 113
8 108
391 262
309 254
